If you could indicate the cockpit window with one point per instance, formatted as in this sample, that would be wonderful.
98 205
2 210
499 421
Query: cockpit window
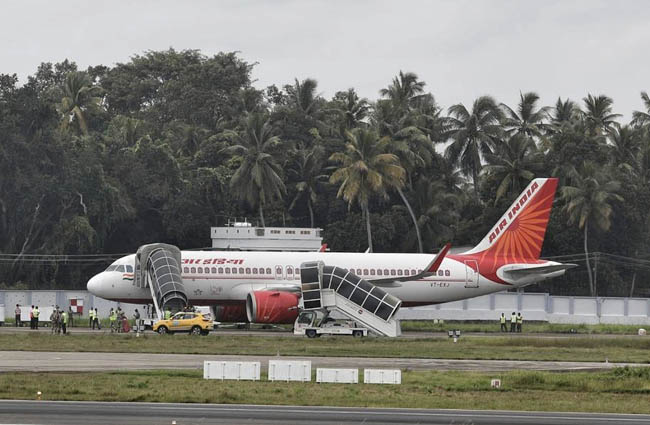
120 269
111 268
129 269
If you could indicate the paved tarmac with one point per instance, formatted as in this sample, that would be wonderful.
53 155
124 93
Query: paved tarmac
98 413
38 361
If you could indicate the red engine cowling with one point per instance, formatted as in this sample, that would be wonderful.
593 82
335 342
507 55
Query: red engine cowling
271 307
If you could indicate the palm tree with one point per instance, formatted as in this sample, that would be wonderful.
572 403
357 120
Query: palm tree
588 203
257 180
366 170
307 171
404 90
641 118
598 113
352 109
303 97
473 134
527 119
437 211
625 146
516 161
79 96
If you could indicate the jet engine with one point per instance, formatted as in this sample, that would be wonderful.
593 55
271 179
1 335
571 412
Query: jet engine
271 307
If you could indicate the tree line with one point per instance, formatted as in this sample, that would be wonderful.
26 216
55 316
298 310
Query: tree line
162 147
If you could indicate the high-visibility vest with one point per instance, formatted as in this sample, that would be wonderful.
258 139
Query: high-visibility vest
91 314
113 317
513 319
168 314
503 320
36 313
520 319
64 316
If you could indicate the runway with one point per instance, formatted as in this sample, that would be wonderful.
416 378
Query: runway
96 413
42 361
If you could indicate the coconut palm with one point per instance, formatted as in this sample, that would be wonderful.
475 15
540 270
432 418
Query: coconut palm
258 179
79 97
307 170
598 113
473 134
527 119
365 170
404 90
589 204
642 118
624 146
515 162
352 109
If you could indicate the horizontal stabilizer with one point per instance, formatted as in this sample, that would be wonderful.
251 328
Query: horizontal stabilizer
526 271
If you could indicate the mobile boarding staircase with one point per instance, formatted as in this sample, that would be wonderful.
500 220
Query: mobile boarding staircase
157 266
334 288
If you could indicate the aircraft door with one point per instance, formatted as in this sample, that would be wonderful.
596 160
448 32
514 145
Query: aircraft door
471 274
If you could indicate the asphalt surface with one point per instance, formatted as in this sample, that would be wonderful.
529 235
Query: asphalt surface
41 361
96 413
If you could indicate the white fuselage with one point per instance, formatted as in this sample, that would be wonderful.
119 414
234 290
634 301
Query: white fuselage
226 277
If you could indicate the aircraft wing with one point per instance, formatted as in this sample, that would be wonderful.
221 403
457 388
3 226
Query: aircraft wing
526 271
430 269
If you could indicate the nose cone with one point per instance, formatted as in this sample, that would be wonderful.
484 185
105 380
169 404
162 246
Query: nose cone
94 285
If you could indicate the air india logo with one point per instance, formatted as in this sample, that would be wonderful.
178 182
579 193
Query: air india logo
513 211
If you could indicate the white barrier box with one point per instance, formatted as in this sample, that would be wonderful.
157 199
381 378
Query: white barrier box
239 371
337 376
285 370
382 376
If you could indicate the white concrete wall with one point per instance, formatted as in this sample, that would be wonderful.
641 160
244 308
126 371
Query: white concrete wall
542 307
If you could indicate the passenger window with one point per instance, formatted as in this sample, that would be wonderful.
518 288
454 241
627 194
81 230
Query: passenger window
386 272
268 270
200 269
365 272
406 272
447 273
186 270
193 269
399 272
392 272
248 270
241 270
214 270
297 276
234 270
220 270
440 273
227 270
289 272
278 271
379 272
254 270
413 272
372 272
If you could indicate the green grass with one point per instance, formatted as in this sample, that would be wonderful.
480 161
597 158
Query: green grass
529 327
585 348
618 391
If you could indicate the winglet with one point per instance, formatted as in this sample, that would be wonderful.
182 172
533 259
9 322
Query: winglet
437 260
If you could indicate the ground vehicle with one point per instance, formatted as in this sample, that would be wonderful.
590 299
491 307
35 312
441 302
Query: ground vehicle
185 321
308 323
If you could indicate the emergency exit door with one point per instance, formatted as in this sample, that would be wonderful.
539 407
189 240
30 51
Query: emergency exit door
471 274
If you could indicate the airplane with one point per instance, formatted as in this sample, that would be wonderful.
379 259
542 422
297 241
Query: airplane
264 287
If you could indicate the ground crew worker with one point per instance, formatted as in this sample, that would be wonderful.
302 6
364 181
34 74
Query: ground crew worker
36 314
31 318
91 318
520 320
70 317
136 321
513 322
64 321
54 320
168 314
502 319
96 321
17 312
112 317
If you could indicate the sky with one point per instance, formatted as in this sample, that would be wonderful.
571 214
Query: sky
462 49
